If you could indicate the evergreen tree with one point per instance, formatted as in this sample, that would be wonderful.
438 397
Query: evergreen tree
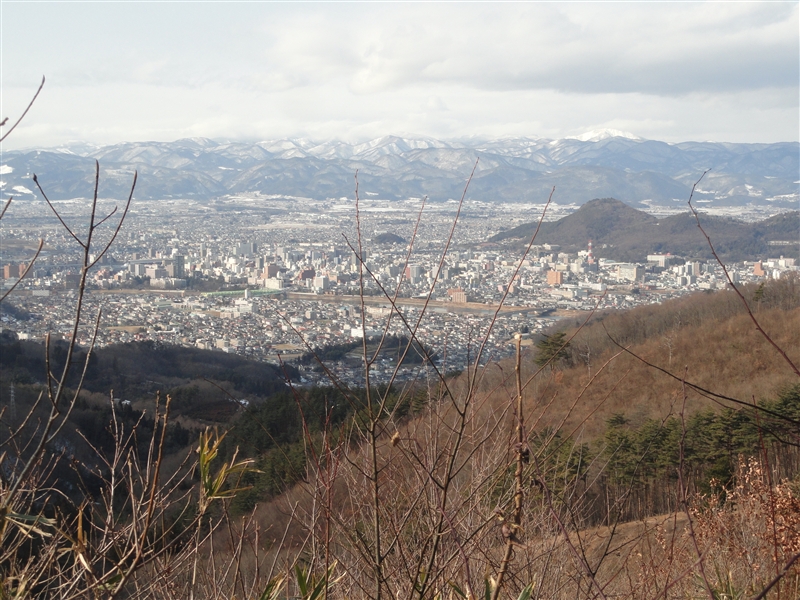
552 347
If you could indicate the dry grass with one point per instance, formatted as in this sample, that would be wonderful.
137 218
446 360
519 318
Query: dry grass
725 355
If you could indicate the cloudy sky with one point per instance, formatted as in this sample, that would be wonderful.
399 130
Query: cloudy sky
129 71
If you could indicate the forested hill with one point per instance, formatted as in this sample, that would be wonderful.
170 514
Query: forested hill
205 384
621 232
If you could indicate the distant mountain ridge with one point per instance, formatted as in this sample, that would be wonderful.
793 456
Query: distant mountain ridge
620 232
599 164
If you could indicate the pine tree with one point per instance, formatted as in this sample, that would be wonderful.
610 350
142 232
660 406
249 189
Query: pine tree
552 349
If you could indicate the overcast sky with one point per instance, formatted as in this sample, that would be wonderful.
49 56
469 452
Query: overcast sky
253 71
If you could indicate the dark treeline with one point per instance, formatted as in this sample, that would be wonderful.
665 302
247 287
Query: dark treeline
119 395
633 471
284 430
393 347
329 352
137 369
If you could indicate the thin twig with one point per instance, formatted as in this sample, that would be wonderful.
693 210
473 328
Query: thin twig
55 212
523 454
549 500
701 390
505 294
25 112
25 272
121 219
5 207
684 502
733 286
777 578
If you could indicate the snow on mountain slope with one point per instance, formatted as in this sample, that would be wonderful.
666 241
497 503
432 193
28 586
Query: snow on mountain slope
603 134
596 164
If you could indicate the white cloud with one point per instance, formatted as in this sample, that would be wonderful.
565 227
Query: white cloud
116 72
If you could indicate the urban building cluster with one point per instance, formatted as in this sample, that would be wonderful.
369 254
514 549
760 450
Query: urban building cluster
265 277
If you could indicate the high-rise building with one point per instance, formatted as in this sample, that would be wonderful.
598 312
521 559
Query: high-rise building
630 272
414 271
660 260
307 273
155 272
176 266
555 277
13 271
246 249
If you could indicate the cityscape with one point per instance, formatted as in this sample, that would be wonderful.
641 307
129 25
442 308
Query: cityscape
274 278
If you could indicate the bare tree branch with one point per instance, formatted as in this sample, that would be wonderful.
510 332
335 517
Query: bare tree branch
25 272
25 112
733 286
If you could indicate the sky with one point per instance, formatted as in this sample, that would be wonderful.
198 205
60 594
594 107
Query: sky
161 71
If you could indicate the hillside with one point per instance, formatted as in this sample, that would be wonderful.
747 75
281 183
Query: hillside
607 442
620 232
388 238
206 385
707 336
708 332
206 388
605 439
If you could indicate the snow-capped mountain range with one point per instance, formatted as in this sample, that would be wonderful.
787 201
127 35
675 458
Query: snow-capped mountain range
605 163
